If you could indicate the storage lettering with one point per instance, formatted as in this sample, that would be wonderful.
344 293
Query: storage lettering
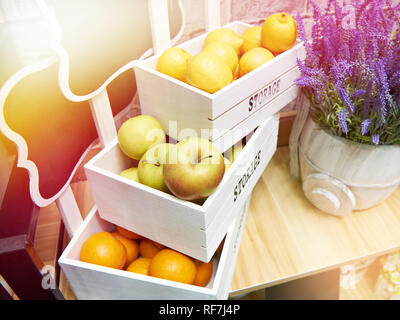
246 176
261 97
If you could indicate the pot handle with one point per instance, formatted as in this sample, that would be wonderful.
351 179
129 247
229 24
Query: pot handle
329 194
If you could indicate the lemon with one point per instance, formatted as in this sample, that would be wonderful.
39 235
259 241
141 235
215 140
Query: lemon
251 39
236 73
208 72
225 35
278 32
252 59
224 51
173 62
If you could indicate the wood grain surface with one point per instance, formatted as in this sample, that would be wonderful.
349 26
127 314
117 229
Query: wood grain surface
287 238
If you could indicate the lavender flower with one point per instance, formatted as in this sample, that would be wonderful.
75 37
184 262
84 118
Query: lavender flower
358 93
344 96
365 125
382 84
342 116
367 100
375 139
352 70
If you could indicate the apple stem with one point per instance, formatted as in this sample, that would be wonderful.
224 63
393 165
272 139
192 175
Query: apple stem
206 157
151 162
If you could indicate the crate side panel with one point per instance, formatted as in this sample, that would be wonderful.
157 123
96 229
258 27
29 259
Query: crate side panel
244 127
94 284
221 196
228 259
272 95
214 231
245 170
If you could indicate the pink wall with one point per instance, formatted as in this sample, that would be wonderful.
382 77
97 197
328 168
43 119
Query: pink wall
250 11
255 11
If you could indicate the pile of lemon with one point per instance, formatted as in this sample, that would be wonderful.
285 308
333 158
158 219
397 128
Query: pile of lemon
226 56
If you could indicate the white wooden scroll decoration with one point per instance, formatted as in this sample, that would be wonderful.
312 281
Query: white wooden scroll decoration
98 99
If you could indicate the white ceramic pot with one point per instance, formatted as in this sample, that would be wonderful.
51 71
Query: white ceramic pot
340 176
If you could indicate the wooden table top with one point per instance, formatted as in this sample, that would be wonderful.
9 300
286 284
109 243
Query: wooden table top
287 238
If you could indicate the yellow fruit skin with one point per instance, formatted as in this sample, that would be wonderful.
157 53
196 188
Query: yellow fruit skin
236 74
225 52
247 45
279 32
208 72
228 164
225 35
252 59
131 174
251 39
138 134
173 62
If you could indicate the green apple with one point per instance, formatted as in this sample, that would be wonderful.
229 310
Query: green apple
197 171
131 174
151 166
137 134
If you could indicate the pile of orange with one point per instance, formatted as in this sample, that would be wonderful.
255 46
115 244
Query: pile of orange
125 250
226 56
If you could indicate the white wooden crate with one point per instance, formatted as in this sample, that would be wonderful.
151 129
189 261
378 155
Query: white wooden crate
181 225
185 110
90 281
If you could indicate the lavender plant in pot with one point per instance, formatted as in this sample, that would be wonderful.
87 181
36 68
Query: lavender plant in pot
349 147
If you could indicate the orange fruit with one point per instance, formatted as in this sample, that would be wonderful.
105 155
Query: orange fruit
149 248
131 247
140 265
172 265
204 272
128 234
158 245
221 245
103 249
279 32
